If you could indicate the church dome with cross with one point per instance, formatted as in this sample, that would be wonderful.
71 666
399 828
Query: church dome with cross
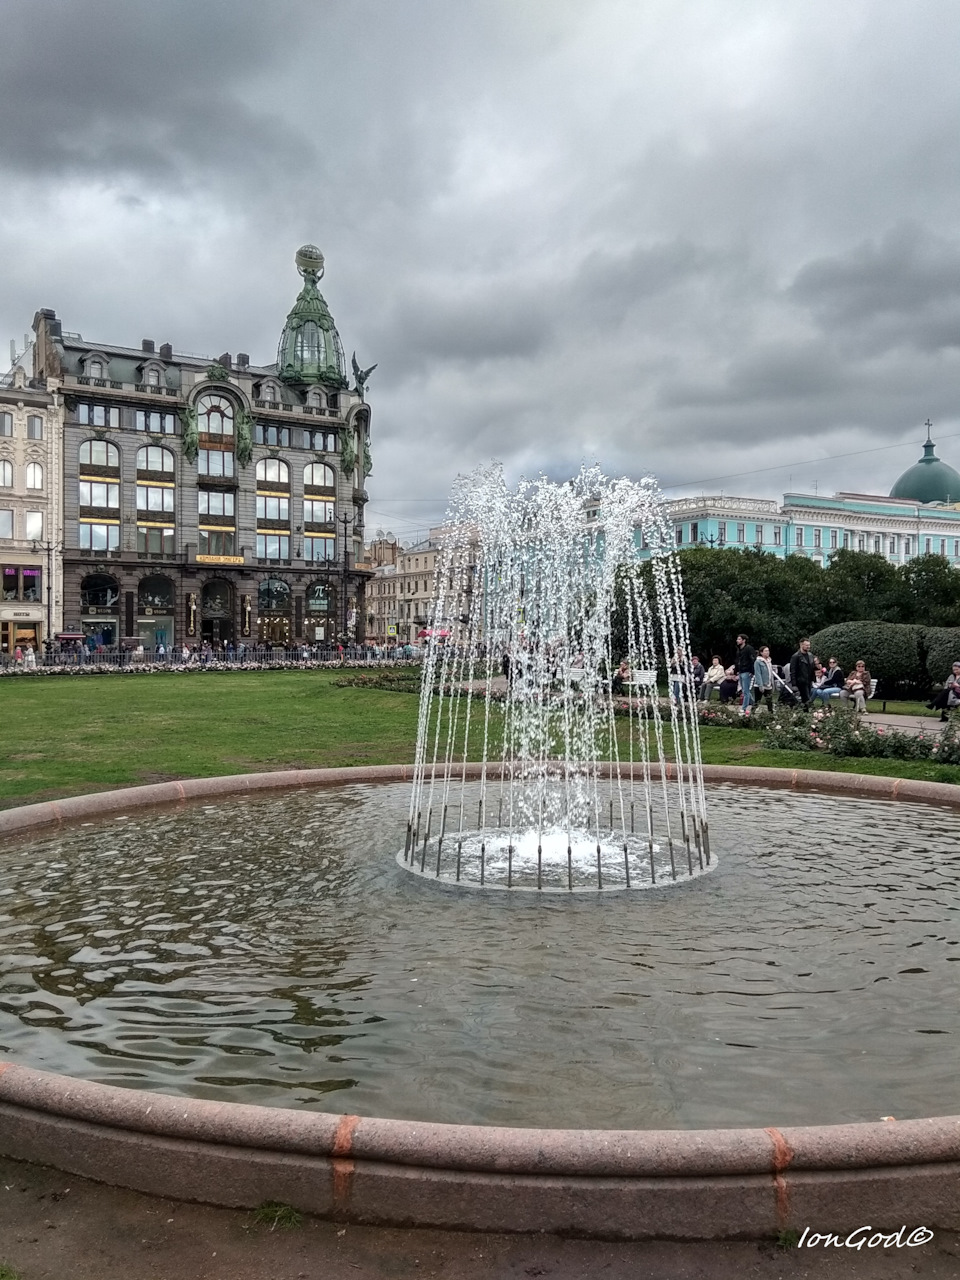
929 480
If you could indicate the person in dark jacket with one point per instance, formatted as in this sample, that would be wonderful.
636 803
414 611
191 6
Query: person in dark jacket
801 671
744 663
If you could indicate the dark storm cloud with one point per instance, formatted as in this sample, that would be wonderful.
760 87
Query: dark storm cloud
685 238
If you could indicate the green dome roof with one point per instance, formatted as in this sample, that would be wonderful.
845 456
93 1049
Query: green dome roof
310 349
928 480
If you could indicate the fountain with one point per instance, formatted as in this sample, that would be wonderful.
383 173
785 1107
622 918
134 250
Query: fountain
520 672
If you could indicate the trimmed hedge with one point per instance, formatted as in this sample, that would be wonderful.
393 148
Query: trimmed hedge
893 651
905 659
942 646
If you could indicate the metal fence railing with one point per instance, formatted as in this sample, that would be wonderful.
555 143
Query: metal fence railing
106 658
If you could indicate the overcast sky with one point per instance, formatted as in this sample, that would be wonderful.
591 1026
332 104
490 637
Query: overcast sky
702 239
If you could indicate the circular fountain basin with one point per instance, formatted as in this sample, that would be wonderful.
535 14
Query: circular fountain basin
804 982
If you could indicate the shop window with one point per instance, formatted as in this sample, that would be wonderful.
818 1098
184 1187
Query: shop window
99 591
155 593
273 596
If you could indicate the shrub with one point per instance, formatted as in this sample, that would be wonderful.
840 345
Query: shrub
893 652
942 650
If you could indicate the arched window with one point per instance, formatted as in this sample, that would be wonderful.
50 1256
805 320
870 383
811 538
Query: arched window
95 369
215 416
153 377
273 471
318 476
268 392
155 595
100 593
34 428
315 398
6 475
100 453
154 458
34 475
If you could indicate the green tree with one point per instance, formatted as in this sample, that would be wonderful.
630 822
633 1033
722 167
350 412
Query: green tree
929 592
860 585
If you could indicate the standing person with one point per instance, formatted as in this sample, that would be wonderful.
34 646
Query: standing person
746 657
801 671
763 678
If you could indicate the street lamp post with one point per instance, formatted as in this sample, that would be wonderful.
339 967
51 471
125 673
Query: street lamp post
49 548
345 521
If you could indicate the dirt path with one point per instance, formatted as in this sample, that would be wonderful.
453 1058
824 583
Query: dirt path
54 1227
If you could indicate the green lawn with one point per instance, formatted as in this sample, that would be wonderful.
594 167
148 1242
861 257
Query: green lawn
67 736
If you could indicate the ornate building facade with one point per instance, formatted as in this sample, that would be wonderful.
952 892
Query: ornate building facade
212 501
30 530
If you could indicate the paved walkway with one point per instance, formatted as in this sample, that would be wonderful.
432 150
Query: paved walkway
55 1227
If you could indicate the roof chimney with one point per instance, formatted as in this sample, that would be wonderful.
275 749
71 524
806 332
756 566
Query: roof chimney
226 360
147 345
243 360
166 351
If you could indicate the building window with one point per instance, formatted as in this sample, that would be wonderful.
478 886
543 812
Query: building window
324 548
273 596
99 453
798 536
777 536
33 525
268 393
273 471
943 546
99 536
956 547
928 545
722 532
153 457
318 476
758 535
155 539
97 415
100 494
95 369
741 533
818 538
153 377
6 475
6 424
846 540
276 436
833 539
695 532
212 502
216 542
215 416
320 441
272 508
34 475
34 428
893 546
160 423
317 511
273 546
907 545
678 535
214 462
21 584
154 497
6 524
